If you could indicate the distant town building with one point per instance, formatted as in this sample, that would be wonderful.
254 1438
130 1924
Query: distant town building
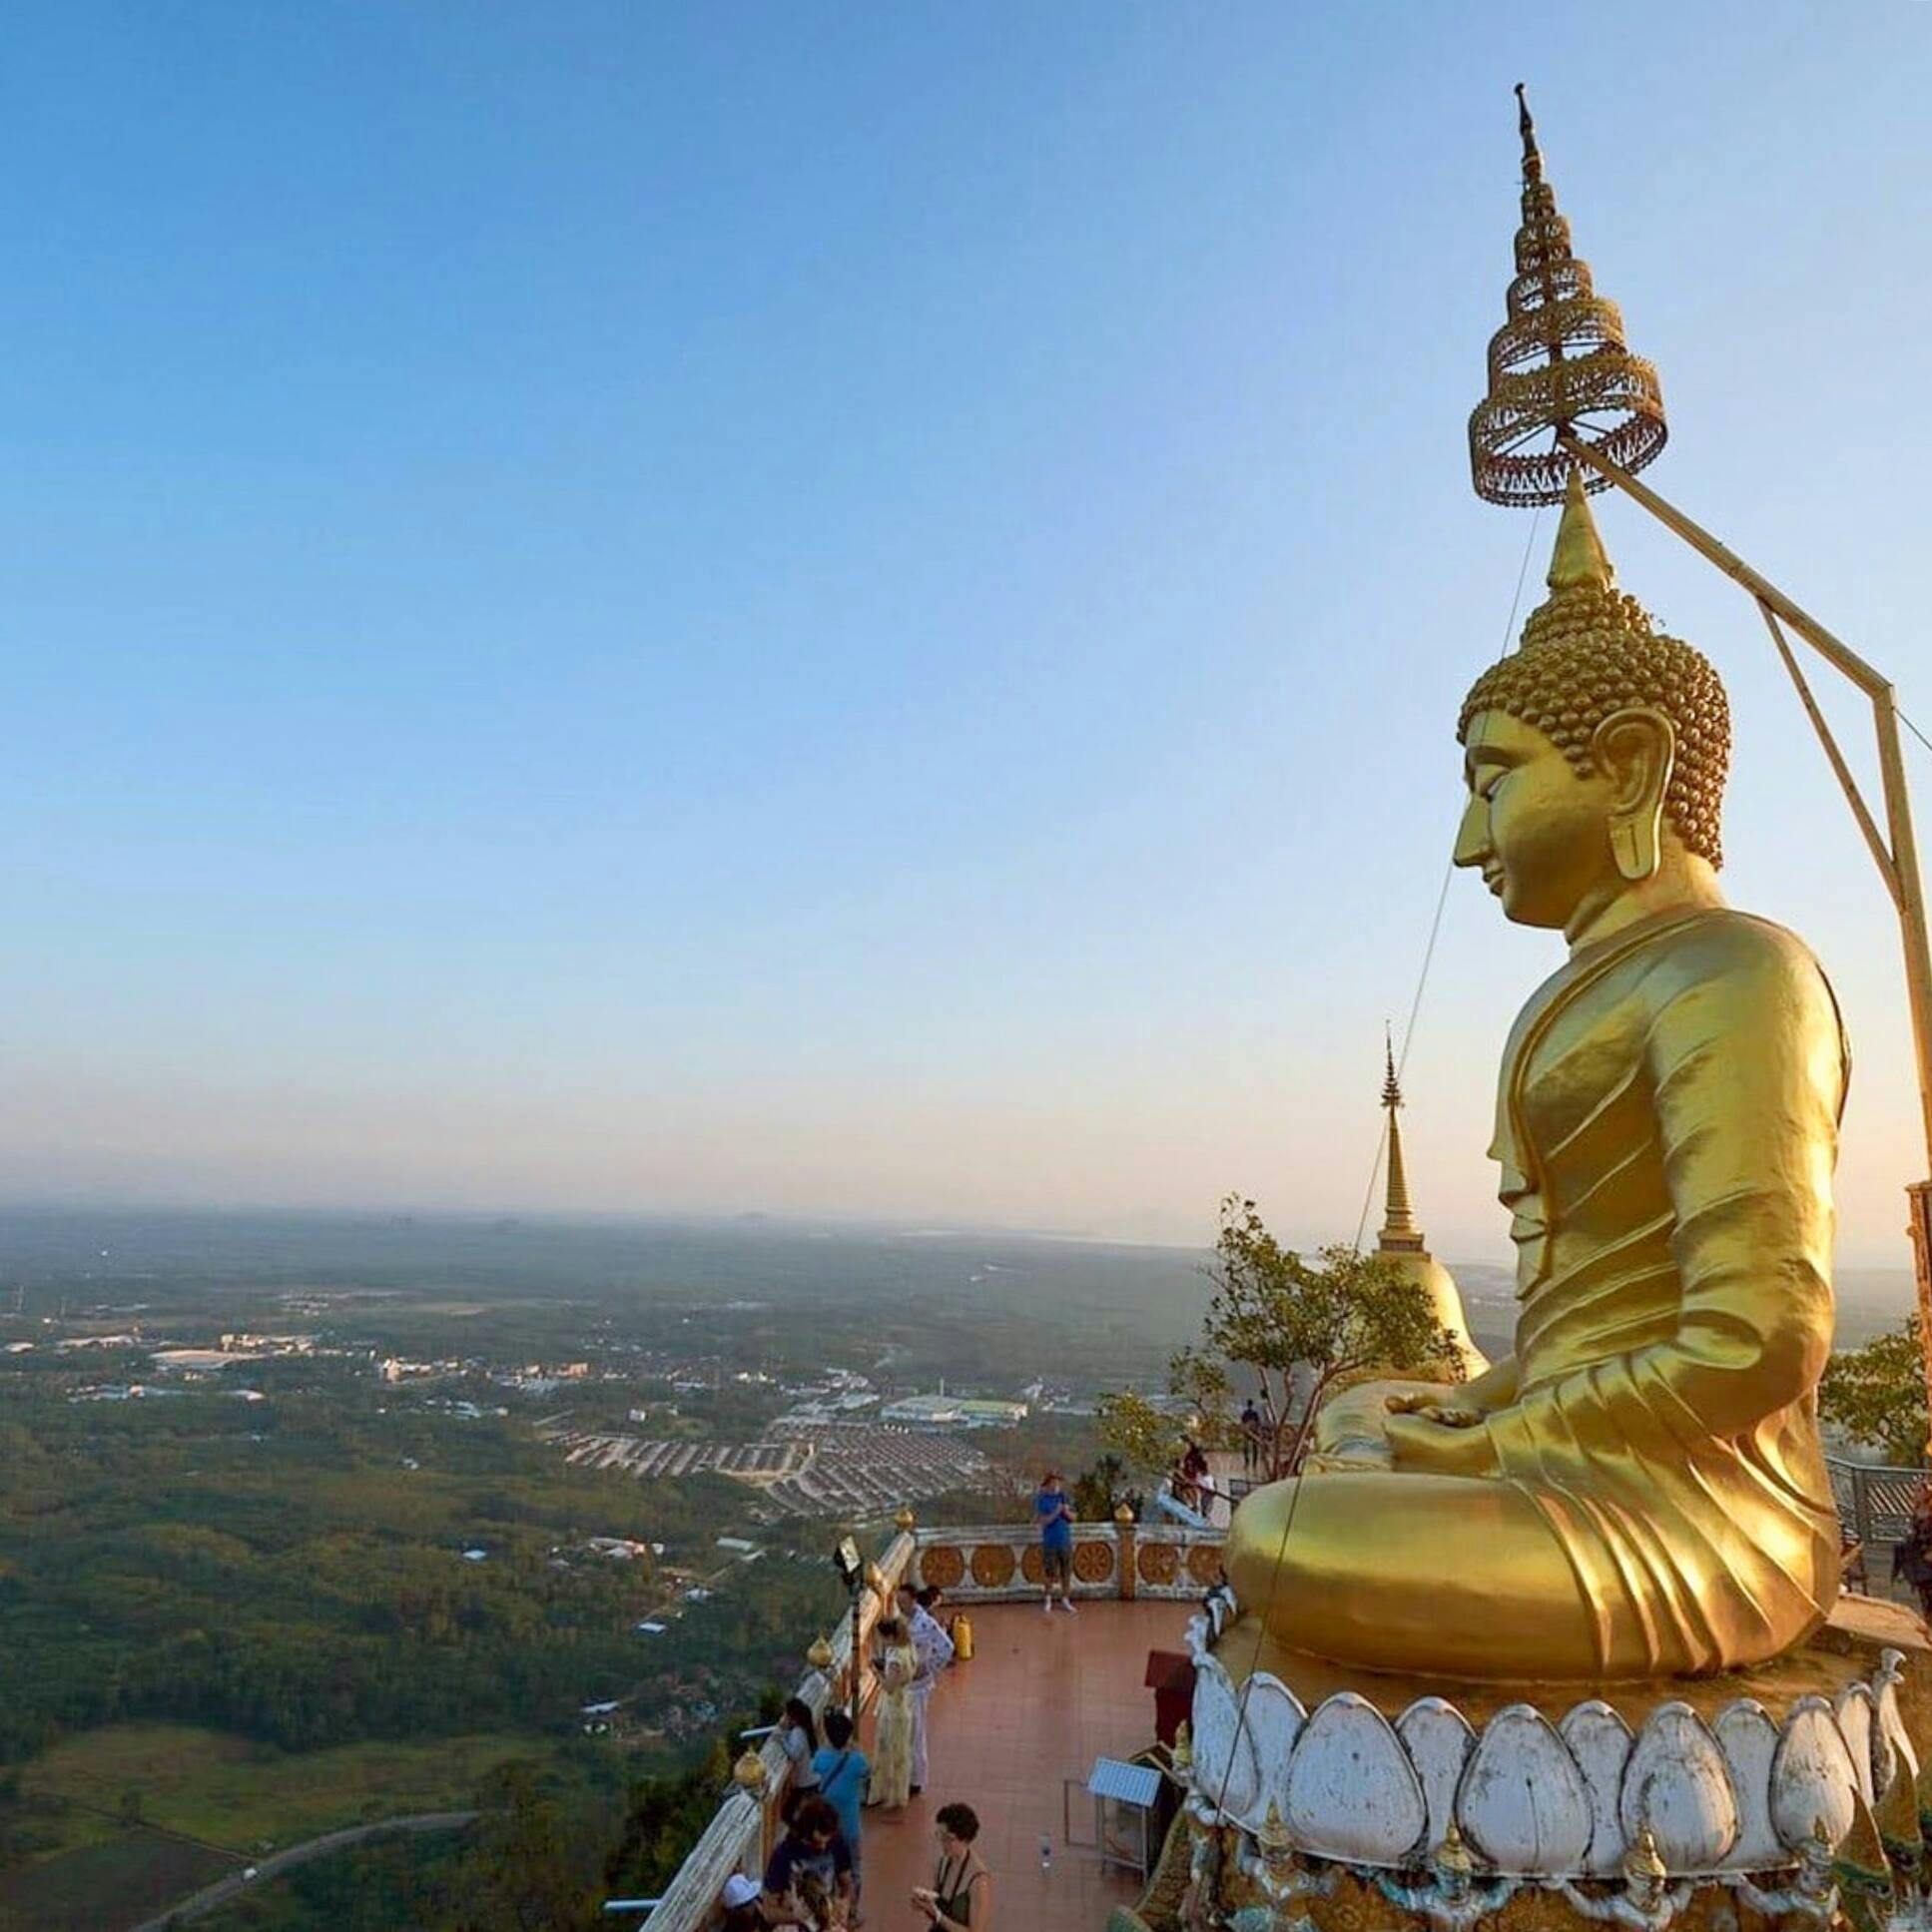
953 1411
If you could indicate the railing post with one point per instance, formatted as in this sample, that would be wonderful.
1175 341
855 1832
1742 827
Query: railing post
1123 1554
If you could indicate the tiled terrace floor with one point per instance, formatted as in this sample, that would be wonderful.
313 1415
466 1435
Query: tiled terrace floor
1043 1698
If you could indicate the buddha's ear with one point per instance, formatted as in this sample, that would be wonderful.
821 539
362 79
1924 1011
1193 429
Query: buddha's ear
1636 750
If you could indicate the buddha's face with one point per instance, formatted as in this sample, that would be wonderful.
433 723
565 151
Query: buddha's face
1539 830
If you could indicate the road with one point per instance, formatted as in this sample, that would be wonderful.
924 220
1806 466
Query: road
223 1889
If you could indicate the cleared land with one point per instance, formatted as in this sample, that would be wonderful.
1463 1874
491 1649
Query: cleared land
107 1885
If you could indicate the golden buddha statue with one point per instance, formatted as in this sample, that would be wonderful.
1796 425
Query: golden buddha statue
1640 1489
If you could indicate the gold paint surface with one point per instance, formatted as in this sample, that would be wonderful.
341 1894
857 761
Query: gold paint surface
1639 1492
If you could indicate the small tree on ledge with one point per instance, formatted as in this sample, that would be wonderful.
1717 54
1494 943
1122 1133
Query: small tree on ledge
1876 1395
1301 1328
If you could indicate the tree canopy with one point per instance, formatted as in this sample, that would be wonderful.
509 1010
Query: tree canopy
1876 1394
1290 1329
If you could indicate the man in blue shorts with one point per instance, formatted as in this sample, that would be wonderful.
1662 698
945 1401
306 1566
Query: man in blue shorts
1054 1515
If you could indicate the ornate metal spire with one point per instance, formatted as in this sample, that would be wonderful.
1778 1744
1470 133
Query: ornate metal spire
1558 364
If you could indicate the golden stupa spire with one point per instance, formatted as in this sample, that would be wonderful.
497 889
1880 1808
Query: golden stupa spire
1398 1218
1559 366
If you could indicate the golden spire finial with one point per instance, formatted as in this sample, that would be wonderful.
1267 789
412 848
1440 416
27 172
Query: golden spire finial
1558 366
1532 153
1579 560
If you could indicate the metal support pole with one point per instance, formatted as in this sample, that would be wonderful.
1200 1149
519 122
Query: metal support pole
1902 877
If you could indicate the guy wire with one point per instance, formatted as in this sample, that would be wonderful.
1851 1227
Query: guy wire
1409 1033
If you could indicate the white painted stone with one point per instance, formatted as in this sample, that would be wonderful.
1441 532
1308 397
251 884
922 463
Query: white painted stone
1227 1772
1892 1748
1857 1725
1523 1802
1352 1793
1812 1776
1599 1741
1439 1740
1748 1739
1677 1783
1275 1722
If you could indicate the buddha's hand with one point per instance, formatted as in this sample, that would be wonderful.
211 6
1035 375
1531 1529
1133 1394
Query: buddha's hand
1427 1404
1440 1446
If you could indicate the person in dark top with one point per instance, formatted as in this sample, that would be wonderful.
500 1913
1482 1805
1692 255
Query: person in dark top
1912 1559
1251 1437
959 1898
809 1879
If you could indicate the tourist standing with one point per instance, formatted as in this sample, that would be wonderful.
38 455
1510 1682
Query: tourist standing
798 1736
892 1771
1054 1515
934 1651
1250 1438
843 1770
959 1898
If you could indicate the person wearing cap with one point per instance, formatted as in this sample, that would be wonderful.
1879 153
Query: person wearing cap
740 1900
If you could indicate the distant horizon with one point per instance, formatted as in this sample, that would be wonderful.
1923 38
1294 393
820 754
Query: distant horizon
744 1221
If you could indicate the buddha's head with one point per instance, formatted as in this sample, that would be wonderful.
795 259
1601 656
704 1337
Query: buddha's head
1595 753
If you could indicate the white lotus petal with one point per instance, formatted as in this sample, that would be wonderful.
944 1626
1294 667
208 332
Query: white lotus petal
1600 1742
1352 1793
1747 1737
1439 1740
1812 1776
1523 1802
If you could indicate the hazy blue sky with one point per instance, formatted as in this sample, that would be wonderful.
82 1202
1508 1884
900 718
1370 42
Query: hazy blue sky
862 608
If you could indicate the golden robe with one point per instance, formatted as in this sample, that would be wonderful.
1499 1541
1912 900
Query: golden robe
1647 1495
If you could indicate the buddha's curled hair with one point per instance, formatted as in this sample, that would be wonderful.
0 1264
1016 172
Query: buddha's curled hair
1591 652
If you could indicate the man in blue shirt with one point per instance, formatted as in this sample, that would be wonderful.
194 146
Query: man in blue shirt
842 1769
1054 1515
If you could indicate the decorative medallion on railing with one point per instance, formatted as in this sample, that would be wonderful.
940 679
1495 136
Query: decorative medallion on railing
993 1566
1159 1563
1205 1564
1093 1561
1031 1565
941 1566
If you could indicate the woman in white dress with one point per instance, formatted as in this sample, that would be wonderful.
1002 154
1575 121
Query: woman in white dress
892 1759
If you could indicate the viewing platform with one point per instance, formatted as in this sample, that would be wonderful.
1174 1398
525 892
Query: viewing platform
1041 1698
